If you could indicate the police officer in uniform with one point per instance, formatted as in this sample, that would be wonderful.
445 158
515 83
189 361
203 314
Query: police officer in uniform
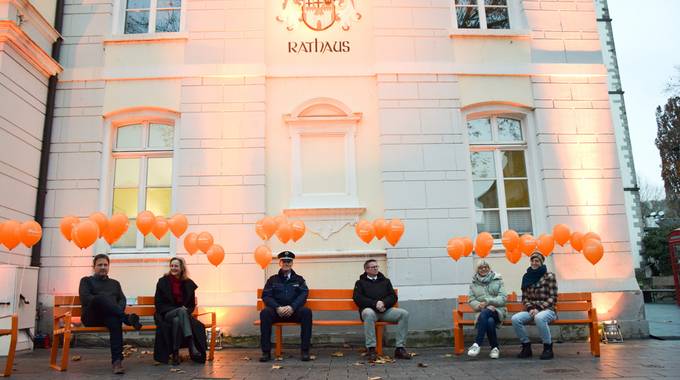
285 295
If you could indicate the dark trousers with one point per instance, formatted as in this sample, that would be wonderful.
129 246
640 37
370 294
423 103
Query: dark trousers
104 312
486 325
268 316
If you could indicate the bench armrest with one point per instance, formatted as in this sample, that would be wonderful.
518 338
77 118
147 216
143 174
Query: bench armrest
66 317
212 316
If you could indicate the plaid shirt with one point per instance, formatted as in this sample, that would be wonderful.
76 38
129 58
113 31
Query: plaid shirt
542 295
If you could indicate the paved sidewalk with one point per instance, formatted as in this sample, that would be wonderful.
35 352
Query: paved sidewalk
634 359
664 320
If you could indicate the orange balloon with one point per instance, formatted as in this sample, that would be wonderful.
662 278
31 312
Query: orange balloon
178 224
110 235
263 256
215 254
577 241
591 235
469 246
204 241
160 227
10 235
101 220
190 243
66 226
259 230
514 255
284 232
455 247
593 250
483 244
280 219
527 244
299 229
269 225
545 244
394 231
118 225
145 222
380 226
365 231
510 240
30 233
74 238
1 224
85 233
561 233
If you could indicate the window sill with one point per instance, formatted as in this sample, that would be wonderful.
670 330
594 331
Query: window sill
324 211
486 33
144 38
142 256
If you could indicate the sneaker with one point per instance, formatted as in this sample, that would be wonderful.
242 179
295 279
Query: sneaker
133 320
118 367
495 353
474 350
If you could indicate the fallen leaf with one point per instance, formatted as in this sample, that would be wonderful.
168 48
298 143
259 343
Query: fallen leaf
413 354
279 358
276 366
245 358
375 378
175 369
448 356
358 363
422 365
346 346
337 354
312 357
76 358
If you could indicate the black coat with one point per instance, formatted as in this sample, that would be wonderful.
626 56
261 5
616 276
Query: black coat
368 292
279 291
165 302
91 286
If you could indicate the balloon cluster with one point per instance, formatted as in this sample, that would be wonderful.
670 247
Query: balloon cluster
12 233
158 226
204 242
515 245
284 229
84 233
391 230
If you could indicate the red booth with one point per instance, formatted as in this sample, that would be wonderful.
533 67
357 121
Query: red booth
674 248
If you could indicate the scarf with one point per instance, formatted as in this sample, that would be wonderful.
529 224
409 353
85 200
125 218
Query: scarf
532 276
484 280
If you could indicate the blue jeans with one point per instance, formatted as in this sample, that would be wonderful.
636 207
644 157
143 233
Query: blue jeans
486 325
542 320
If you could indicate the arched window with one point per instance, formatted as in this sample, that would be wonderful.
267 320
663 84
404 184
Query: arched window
142 162
500 174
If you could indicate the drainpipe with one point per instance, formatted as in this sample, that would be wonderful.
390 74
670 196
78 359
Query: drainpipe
47 135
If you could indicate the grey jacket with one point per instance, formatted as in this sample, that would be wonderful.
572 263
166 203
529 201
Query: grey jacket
492 293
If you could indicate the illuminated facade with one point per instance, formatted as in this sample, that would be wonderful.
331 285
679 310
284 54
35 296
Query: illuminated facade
456 117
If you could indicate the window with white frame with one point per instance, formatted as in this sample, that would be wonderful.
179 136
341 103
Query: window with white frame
152 16
483 14
142 178
499 175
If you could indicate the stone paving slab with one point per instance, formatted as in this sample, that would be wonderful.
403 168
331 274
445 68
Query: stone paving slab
664 320
634 359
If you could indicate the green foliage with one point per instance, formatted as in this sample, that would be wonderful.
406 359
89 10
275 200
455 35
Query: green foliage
668 143
655 247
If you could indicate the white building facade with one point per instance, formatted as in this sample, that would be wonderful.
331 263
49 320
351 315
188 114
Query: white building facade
455 116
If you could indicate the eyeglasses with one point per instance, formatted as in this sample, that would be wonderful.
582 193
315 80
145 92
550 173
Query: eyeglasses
373 267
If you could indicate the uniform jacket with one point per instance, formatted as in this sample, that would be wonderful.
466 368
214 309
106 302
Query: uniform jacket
493 293
279 291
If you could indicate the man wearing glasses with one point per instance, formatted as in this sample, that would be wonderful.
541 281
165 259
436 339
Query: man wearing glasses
285 295
374 295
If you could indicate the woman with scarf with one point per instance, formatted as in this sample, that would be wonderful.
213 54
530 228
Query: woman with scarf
487 296
175 302
539 295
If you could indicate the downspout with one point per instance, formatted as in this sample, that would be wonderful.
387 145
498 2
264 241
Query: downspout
47 134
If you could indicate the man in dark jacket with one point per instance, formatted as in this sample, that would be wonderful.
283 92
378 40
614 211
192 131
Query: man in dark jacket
284 295
375 296
103 305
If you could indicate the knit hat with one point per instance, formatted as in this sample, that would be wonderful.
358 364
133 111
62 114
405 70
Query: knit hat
482 263
537 255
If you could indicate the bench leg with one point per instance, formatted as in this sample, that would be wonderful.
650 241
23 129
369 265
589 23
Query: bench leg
379 332
279 340
458 340
12 347
594 335
211 353
54 351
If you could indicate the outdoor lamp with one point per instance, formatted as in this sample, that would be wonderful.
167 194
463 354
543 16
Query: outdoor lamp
611 332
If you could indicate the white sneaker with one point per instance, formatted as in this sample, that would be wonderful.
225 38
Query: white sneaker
474 350
495 353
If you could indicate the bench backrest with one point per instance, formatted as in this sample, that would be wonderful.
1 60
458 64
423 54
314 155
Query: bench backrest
144 307
565 302
325 300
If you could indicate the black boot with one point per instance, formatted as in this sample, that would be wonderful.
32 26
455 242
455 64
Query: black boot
526 351
304 356
547 352
266 356
175 358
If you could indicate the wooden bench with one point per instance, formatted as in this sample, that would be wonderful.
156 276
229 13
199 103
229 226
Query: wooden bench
327 300
566 302
67 310
13 331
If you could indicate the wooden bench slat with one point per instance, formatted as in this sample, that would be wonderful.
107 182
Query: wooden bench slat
75 301
323 305
322 294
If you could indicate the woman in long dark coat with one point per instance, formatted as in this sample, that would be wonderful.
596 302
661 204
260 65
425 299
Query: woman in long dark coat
175 302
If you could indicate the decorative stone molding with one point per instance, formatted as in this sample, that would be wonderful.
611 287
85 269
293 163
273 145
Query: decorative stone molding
12 35
325 222
145 38
31 15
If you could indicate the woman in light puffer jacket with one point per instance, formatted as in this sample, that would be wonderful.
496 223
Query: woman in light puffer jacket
487 296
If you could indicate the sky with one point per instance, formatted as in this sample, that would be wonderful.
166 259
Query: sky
646 34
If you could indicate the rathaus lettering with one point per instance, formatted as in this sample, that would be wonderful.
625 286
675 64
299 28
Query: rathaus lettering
318 47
